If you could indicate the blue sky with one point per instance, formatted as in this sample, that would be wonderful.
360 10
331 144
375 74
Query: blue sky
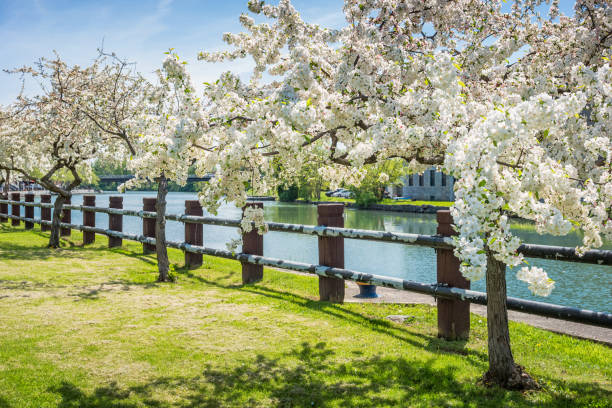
140 31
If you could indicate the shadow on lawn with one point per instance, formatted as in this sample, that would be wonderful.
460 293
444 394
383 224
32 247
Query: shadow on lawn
38 251
311 376
93 293
382 326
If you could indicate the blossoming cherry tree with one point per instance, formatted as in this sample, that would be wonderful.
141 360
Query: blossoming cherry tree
515 105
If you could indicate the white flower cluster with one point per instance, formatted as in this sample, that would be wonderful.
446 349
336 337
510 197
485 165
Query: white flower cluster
168 128
253 216
539 282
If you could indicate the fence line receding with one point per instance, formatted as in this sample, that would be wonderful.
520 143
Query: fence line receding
451 289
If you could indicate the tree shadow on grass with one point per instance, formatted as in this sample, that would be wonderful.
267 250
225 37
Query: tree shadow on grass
146 258
12 251
69 249
93 293
381 326
313 376
4 403
37 251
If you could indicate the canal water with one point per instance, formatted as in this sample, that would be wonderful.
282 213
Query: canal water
579 285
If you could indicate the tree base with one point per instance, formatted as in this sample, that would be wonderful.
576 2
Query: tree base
519 380
165 279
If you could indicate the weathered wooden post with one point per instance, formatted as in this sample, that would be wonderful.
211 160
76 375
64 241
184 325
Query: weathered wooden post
148 224
252 243
3 209
453 315
331 252
15 210
194 233
67 218
45 213
115 221
29 211
89 219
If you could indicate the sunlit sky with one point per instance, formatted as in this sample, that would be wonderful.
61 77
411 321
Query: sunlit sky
139 31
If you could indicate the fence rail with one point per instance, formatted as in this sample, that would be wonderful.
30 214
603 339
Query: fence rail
558 253
456 297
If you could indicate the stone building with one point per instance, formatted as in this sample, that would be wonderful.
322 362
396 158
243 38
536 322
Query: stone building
431 185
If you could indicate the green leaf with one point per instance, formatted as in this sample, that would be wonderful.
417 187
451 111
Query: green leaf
482 183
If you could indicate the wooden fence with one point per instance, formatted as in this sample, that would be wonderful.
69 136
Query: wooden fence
451 290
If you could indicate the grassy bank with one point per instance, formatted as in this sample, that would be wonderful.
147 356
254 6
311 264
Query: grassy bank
388 201
89 327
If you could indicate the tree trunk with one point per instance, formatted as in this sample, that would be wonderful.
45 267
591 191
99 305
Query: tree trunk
163 264
54 239
5 194
7 183
502 369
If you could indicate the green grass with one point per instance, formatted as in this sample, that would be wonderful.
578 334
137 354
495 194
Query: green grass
389 201
418 202
89 327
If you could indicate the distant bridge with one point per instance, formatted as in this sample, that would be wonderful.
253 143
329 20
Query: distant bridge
121 178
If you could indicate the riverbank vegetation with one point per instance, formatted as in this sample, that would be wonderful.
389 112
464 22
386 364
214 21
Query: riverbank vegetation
89 326
389 201
101 168
309 184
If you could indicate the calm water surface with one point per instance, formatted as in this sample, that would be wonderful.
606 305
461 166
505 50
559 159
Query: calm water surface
579 285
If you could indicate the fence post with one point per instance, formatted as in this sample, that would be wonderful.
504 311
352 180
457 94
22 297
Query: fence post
67 218
252 243
194 233
89 219
29 211
331 252
3 208
115 221
148 224
453 315
45 213
15 210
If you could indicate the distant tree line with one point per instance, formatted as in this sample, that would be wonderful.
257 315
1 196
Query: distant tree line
112 169
309 184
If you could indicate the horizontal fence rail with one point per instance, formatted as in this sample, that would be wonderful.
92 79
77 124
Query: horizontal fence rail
441 291
558 253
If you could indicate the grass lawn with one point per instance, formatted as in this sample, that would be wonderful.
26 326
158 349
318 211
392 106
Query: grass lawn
389 201
89 327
